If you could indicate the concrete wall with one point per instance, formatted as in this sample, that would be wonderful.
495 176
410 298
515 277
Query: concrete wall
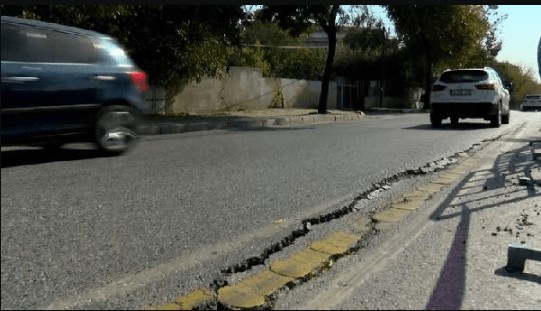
155 99
410 101
245 89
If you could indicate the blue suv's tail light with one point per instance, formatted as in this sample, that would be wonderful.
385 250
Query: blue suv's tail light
139 79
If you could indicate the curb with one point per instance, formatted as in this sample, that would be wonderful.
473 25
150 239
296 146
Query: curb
261 122
253 291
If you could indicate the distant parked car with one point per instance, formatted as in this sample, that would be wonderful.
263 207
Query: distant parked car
531 102
63 84
470 93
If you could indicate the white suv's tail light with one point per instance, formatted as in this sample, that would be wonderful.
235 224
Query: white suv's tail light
485 86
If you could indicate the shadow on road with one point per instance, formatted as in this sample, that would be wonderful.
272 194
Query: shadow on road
465 126
274 128
524 276
11 158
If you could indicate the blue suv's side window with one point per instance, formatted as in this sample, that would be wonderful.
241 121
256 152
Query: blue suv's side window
31 44
13 43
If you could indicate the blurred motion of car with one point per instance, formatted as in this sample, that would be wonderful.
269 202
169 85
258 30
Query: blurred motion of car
63 84
469 93
531 102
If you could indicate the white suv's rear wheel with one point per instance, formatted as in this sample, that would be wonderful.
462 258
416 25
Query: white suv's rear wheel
495 119
505 118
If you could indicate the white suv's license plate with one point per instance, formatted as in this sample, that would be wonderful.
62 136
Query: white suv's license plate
460 92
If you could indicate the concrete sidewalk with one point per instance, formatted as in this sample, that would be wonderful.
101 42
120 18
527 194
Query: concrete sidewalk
251 119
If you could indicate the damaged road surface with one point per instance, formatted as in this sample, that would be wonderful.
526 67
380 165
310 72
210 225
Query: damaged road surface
237 219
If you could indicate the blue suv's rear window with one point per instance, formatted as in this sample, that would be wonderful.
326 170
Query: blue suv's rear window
461 76
115 54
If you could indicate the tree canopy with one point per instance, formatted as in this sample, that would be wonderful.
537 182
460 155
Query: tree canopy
444 35
276 53
298 19
177 44
172 43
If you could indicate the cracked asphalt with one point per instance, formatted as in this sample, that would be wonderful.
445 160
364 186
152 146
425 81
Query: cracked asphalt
442 245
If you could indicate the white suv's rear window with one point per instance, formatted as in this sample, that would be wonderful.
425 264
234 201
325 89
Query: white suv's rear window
533 96
461 76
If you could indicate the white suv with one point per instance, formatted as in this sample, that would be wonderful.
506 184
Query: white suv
531 102
469 93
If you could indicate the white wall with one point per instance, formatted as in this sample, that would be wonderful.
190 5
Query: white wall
245 89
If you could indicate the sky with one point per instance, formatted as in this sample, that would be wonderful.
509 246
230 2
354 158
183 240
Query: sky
520 33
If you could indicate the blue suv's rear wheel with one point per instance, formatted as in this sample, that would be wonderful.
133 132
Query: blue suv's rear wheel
115 129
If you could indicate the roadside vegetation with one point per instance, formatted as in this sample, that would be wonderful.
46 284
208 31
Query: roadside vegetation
178 44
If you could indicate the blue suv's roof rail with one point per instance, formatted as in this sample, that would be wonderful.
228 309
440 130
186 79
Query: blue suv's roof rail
51 26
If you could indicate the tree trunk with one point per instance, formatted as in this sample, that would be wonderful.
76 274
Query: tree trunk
428 81
330 29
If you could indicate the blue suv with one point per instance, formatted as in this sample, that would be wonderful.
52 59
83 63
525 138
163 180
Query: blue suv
63 84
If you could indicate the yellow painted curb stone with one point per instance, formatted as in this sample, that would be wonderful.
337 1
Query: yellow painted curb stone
408 205
390 215
300 264
239 297
194 298
335 244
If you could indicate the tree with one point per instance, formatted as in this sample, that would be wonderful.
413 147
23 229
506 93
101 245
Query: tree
298 19
253 56
369 54
174 44
276 53
523 79
440 34
490 45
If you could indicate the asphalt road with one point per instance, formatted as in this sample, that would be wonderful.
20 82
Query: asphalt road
451 251
178 211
